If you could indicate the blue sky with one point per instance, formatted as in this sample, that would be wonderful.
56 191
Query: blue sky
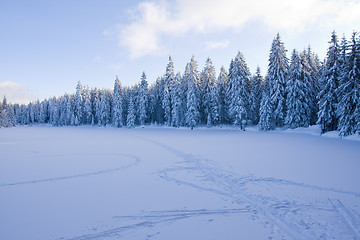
47 46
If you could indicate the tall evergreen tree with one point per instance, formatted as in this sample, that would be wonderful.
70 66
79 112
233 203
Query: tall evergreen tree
78 111
266 112
239 91
277 72
255 96
222 90
117 104
143 99
130 120
192 97
176 102
328 100
169 80
349 91
207 82
298 94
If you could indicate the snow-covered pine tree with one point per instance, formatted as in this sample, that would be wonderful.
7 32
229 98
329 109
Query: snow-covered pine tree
313 66
88 111
222 85
169 80
349 91
207 82
239 91
143 100
3 113
176 94
330 77
298 94
266 112
78 108
117 104
192 96
130 120
277 71
255 95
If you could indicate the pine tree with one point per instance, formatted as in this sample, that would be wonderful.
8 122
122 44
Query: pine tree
349 91
130 120
239 91
222 90
277 72
143 99
266 112
298 96
176 102
3 113
192 97
328 100
117 104
255 95
207 82
169 80
78 110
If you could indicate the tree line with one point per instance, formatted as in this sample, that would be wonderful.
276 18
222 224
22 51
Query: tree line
294 93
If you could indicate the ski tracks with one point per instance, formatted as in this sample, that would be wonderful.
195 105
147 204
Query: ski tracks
134 161
284 205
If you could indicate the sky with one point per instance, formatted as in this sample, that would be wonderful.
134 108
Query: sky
47 46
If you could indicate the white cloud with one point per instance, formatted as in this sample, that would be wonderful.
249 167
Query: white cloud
210 45
152 21
116 66
97 59
16 92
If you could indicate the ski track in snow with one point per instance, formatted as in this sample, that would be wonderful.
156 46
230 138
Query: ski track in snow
281 205
135 161
295 216
153 218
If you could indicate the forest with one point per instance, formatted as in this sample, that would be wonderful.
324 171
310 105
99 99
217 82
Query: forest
296 92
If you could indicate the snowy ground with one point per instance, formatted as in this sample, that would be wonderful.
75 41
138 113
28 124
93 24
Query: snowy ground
166 183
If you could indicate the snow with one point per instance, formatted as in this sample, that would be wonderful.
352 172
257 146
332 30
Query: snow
174 183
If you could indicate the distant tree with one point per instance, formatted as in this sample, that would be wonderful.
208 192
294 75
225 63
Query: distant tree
143 99
117 104
327 117
222 85
277 73
130 120
207 83
298 94
239 91
349 91
193 96
169 80
266 112
255 96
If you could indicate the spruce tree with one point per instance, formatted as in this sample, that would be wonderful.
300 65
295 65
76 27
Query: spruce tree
207 82
169 80
277 72
266 112
117 104
78 110
176 102
222 85
255 96
130 120
327 117
143 99
239 91
349 91
192 97
298 96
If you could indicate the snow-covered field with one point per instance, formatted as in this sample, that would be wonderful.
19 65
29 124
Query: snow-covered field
166 183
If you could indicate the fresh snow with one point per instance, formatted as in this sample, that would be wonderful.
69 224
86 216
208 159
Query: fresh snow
174 183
